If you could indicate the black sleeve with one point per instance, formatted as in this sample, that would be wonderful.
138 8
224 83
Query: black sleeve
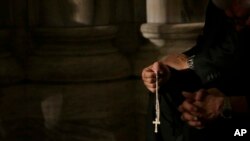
215 46
218 61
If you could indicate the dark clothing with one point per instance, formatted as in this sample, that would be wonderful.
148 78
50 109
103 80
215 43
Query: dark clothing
221 54
220 61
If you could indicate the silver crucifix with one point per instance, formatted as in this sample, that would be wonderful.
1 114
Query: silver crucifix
156 122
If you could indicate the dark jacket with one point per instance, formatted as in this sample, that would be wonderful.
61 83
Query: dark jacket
221 61
221 54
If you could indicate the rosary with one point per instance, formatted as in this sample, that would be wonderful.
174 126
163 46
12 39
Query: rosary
156 122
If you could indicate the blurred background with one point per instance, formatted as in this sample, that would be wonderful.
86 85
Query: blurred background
70 69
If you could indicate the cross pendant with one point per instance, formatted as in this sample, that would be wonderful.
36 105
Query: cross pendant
156 122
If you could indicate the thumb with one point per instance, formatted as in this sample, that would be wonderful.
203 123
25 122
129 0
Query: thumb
160 68
200 94
156 67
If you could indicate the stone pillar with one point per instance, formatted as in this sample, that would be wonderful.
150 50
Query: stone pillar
164 11
167 27
81 79
172 38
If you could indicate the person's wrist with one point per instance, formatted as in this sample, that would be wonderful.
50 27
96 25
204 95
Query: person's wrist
176 61
184 61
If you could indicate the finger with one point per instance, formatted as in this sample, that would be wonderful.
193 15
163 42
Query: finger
195 123
180 109
149 80
151 87
200 94
148 73
160 68
148 76
198 114
152 90
156 67
192 121
188 106
188 117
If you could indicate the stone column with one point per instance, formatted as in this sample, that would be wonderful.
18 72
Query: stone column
164 11
81 79
167 25
172 38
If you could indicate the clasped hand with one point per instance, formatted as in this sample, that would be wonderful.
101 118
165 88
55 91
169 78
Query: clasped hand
201 107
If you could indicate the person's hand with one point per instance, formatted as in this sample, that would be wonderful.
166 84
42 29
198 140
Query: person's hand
175 61
149 75
201 107
190 110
